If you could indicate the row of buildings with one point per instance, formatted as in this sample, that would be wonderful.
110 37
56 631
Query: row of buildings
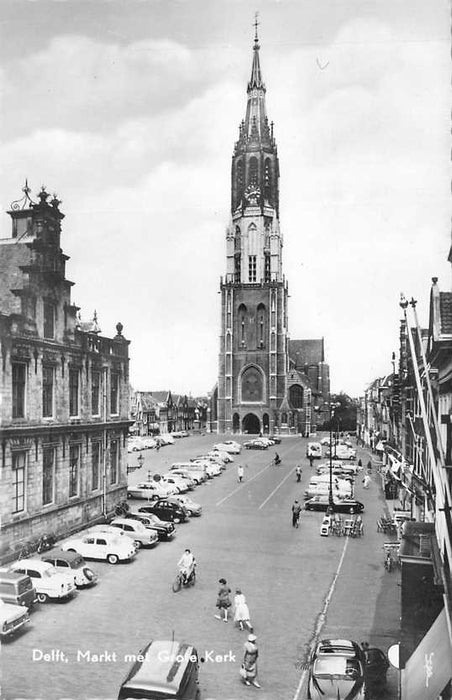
406 418
159 412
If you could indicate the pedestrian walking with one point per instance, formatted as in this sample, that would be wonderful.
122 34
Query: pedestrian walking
311 460
248 670
360 463
298 473
366 481
157 447
296 510
369 466
240 472
223 600
241 611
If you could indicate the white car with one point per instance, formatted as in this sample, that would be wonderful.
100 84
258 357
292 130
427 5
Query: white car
230 446
135 444
167 439
48 582
149 490
213 460
191 479
102 545
341 490
149 442
12 618
213 469
225 456
141 535
175 481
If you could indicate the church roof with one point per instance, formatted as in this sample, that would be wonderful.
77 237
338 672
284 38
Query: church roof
307 352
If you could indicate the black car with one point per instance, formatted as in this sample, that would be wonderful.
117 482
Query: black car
377 666
275 438
345 505
164 530
167 510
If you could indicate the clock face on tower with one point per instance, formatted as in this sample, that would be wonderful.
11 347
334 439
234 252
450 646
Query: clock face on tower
252 194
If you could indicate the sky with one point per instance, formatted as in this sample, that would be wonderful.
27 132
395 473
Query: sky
129 111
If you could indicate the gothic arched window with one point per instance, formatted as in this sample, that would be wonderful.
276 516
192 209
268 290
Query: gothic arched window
296 396
252 385
253 171
261 318
241 335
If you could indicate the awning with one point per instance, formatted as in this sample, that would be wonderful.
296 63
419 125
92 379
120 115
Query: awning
429 667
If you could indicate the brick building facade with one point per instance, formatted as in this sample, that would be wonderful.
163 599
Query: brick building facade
64 414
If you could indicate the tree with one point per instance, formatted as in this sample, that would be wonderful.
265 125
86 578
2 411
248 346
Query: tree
344 418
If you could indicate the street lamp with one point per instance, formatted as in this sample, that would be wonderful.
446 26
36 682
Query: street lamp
331 408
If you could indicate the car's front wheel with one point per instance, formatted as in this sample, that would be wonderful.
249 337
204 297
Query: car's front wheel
137 544
42 597
112 558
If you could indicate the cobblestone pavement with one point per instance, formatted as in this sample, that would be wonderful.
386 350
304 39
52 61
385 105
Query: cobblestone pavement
245 535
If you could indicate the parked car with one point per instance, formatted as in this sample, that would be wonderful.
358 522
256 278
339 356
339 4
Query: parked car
12 618
191 481
17 589
257 444
325 441
166 439
314 449
163 669
341 489
141 536
135 444
346 505
197 471
164 530
190 506
102 545
177 482
48 582
166 509
212 458
149 442
73 564
377 665
225 456
275 439
210 468
229 446
148 490
337 670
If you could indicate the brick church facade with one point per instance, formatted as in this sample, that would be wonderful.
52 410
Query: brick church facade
260 388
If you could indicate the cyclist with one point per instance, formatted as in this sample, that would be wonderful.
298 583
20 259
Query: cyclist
186 565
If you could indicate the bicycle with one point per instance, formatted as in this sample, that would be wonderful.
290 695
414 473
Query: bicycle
122 509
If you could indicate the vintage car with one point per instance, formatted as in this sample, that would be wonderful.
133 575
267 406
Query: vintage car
163 670
137 531
48 582
167 509
190 506
102 545
12 618
73 564
229 446
164 530
149 489
345 505
337 670
256 444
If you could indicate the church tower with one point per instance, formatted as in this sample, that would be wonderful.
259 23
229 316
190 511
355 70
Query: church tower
253 362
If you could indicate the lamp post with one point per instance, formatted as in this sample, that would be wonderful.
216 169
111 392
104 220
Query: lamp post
331 408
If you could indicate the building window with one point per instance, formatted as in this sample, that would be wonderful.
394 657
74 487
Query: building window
49 320
47 391
48 468
19 462
74 392
114 393
113 462
95 465
95 393
251 268
267 268
74 464
237 268
19 373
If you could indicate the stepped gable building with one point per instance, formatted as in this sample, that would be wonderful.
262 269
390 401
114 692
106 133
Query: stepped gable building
64 414
258 389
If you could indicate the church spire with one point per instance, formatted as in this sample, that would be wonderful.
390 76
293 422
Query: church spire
256 75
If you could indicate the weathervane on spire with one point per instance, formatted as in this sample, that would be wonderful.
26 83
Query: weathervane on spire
256 24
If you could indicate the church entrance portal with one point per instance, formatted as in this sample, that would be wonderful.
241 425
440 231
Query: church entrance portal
251 424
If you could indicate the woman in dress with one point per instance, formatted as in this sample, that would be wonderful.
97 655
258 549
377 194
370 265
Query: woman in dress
223 599
241 613
249 664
